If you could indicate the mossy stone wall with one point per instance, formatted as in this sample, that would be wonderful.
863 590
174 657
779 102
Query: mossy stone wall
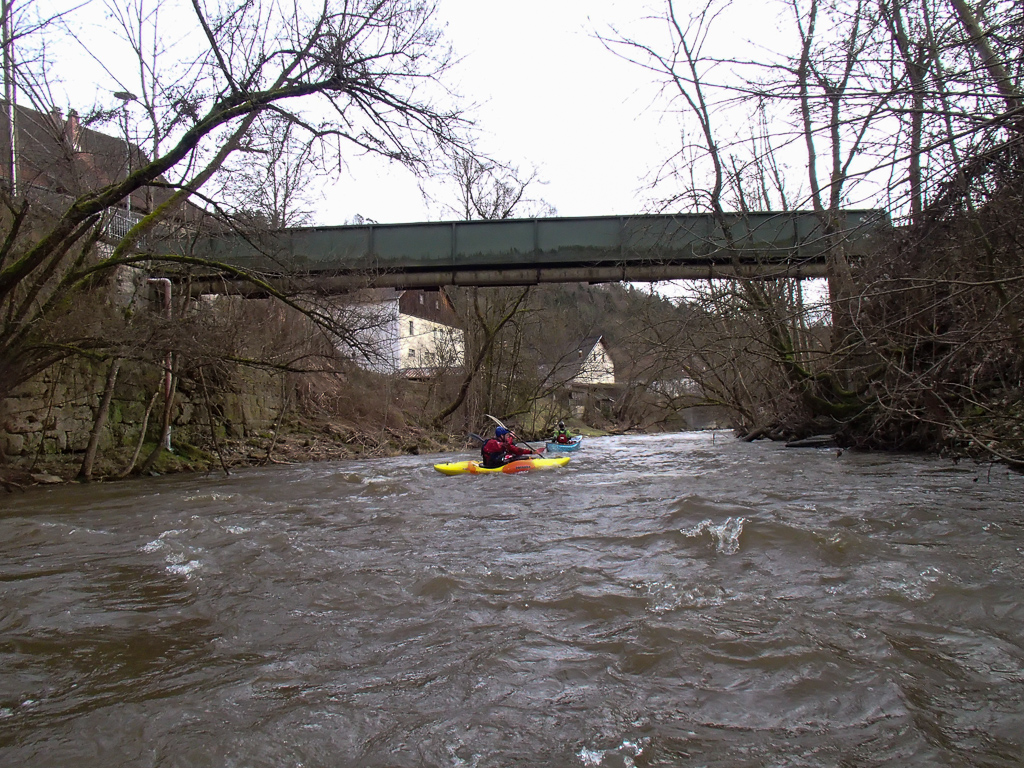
55 412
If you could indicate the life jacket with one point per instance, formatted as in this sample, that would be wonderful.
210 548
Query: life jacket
562 437
493 453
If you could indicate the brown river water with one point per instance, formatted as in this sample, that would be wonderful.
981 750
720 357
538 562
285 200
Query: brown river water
678 600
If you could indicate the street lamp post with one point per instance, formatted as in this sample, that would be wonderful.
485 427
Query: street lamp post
126 97
10 93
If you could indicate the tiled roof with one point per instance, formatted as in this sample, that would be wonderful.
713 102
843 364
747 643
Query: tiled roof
57 154
429 305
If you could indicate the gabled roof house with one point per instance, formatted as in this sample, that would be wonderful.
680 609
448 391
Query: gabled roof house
589 364
429 339
584 376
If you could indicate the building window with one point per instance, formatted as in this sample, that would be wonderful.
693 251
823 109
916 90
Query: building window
412 353
421 298
410 328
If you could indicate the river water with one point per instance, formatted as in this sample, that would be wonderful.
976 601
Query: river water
679 600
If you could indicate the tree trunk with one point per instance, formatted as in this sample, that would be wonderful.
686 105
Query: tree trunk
165 429
488 341
979 39
85 473
142 436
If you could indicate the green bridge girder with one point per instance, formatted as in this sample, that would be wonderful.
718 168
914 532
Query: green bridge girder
595 249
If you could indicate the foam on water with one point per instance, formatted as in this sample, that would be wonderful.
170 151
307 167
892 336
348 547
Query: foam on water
726 535
662 601
623 756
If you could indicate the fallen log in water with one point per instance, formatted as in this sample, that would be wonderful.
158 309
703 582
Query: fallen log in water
815 441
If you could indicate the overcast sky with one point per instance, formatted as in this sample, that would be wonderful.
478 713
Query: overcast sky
550 97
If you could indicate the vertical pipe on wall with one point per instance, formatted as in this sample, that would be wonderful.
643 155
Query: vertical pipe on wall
165 285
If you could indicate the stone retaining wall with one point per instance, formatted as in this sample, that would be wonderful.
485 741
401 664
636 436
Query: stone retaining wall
55 412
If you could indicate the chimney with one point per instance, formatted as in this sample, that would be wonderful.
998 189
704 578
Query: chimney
73 131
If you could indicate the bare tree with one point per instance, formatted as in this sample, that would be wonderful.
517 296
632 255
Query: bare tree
493 318
487 189
353 76
917 104
269 183
685 69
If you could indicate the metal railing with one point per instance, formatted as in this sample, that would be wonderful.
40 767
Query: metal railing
119 224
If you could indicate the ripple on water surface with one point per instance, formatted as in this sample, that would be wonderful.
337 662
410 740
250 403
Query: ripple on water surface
661 601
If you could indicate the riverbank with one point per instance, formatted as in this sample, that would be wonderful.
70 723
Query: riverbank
299 443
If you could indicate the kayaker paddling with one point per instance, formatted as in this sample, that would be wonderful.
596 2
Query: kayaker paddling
501 449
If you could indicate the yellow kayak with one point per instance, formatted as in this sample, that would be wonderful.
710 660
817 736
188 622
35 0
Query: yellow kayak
519 465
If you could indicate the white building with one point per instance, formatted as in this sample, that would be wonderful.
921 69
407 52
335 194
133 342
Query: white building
582 376
414 333
595 364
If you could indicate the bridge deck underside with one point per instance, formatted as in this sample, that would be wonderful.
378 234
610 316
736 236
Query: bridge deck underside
530 251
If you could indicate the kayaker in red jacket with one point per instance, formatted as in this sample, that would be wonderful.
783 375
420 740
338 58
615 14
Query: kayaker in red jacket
501 449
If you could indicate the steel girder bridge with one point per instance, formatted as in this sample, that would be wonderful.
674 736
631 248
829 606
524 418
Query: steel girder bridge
792 244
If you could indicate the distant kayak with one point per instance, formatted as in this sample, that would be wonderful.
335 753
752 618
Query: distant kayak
519 465
572 445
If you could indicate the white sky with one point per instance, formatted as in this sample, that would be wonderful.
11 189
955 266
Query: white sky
550 97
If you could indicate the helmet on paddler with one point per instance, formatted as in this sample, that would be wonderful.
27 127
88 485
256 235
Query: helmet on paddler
500 432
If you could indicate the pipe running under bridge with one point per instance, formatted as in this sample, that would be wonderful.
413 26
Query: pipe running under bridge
645 248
